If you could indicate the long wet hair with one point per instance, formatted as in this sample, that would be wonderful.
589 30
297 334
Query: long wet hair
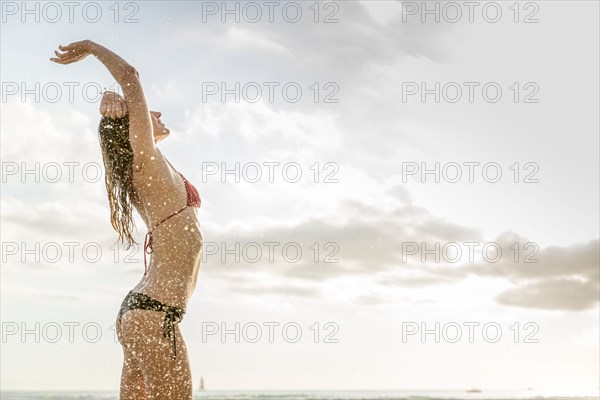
118 164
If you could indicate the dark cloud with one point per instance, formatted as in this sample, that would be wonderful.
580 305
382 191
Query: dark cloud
553 294
369 242
363 59
366 240
563 278
577 260
344 50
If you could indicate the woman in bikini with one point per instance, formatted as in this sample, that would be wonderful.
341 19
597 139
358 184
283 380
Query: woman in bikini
156 364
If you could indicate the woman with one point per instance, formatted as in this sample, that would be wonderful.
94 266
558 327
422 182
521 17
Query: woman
156 364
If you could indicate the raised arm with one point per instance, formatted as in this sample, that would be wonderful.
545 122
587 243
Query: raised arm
140 123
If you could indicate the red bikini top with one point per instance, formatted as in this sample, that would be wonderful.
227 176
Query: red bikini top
193 197
193 200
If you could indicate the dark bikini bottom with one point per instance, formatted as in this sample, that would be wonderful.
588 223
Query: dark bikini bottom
141 301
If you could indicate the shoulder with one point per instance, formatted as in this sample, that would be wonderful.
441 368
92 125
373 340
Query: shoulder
154 171
147 160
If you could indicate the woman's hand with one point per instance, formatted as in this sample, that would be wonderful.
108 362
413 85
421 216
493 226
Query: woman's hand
73 52
112 105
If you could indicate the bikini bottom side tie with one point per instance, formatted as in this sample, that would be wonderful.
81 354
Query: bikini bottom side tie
141 301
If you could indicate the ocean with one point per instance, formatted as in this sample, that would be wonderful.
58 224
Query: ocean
319 395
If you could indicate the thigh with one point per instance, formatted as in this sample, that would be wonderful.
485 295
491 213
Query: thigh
133 386
165 377
132 378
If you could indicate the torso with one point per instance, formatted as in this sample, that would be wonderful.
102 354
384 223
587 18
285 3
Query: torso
177 243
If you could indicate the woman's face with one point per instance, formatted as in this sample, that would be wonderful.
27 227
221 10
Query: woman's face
158 128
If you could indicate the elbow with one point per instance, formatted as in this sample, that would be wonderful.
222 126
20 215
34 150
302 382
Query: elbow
131 77
131 72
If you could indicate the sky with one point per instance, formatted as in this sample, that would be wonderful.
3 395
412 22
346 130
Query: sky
415 207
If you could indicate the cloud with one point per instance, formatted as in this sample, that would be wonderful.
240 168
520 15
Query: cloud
358 238
564 278
578 260
279 290
34 134
553 294
364 58
351 38
369 242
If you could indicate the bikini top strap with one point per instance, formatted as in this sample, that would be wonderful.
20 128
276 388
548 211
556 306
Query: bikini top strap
166 218
148 238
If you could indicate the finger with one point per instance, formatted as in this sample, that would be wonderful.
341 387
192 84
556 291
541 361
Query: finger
64 56
63 53
103 108
114 111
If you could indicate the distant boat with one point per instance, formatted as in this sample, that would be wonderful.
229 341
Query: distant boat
473 389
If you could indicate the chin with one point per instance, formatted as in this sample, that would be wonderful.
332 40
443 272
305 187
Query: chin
161 133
